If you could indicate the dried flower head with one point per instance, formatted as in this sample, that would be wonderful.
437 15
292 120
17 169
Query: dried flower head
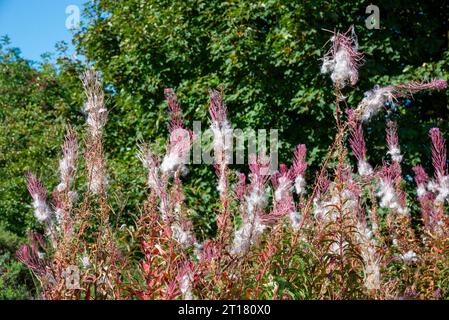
38 192
375 99
343 59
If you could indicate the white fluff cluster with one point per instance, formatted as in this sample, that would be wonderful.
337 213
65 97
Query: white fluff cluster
182 235
177 155
409 257
222 134
172 162
252 227
441 188
295 219
369 256
256 199
98 180
66 168
421 190
96 119
222 149
283 189
247 235
339 67
364 168
300 184
185 286
389 198
42 211
373 102
395 152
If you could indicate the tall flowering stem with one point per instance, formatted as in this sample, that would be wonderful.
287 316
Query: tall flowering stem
358 145
180 139
155 182
433 192
64 197
393 141
375 99
42 211
252 225
222 133
439 160
96 120
440 183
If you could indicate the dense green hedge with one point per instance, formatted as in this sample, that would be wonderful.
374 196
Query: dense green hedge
266 55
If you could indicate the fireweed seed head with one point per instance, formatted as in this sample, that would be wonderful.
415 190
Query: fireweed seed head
375 99
247 235
95 103
393 141
38 192
364 168
178 151
240 187
438 152
185 279
180 139
442 189
421 179
282 184
343 59
67 165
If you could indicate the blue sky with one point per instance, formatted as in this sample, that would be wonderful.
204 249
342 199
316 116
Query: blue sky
35 26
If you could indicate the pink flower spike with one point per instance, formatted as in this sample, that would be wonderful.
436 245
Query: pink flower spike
439 84
39 194
217 109
393 141
421 179
174 109
240 188
299 164
421 176
438 152
35 187
357 140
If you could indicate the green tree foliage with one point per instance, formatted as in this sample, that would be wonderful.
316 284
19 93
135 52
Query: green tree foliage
34 107
266 56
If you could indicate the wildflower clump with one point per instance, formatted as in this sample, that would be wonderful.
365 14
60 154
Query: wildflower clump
352 231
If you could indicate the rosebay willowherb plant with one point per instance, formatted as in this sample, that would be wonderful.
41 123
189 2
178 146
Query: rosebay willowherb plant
351 232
